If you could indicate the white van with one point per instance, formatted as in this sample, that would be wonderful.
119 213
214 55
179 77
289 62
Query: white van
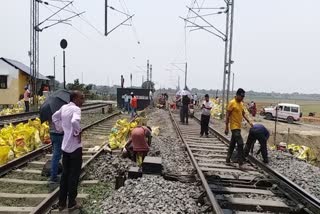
286 111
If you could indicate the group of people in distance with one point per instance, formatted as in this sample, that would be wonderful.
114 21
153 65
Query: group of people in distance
130 104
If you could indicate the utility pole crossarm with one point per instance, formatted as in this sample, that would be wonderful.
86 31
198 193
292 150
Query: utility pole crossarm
203 28
53 14
61 21
206 21
107 33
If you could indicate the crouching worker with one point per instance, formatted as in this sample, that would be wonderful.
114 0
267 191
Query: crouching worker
260 133
138 145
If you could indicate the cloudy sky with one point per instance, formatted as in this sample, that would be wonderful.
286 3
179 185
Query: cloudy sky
276 43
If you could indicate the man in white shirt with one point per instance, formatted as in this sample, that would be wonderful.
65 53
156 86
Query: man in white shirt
195 99
205 116
126 100
67 120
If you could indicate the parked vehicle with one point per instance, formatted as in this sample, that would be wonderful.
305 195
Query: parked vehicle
286 111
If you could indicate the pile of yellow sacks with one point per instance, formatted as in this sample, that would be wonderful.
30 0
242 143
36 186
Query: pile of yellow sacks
18 140
301 152
15 110
19 107
121 132
216 109
41 100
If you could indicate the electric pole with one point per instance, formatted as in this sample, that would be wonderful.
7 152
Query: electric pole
54 73
232 82
185 77
228 55
150 73
147 70
34 45
225 37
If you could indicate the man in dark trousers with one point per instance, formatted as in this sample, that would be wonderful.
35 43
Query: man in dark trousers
260 133
205 116
235 114
67 119
185 109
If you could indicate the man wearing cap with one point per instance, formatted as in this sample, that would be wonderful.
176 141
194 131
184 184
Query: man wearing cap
205 116
235 114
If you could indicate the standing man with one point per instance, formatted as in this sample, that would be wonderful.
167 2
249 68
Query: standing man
67 119
235 114
56 141
195 98
26 97
151 98
205 115
185 108
133 105
126 103
260 133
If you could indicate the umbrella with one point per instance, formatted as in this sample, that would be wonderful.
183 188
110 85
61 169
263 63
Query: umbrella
53 103
183 92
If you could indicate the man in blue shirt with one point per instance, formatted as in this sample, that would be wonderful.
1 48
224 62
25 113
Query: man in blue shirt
260 133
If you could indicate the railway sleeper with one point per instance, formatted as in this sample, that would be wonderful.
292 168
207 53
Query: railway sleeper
244 204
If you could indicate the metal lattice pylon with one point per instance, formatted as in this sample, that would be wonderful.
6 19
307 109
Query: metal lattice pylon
228 54
34 44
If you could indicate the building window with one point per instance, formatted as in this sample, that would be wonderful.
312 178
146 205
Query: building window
3 82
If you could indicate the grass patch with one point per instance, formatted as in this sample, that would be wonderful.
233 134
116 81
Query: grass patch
26 176
97 194
24 188
21 202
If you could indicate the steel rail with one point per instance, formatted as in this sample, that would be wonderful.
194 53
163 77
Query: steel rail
311 203
47 203
215 206
36 114
4 169
5 117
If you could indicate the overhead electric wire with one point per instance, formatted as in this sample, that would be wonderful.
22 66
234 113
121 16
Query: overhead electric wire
69 24
88 22
125 8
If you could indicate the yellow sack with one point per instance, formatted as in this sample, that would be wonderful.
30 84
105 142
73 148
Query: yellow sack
3 142
155 130
113 143
20 148
4 154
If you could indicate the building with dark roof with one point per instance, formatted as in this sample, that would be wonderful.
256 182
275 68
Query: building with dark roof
14 77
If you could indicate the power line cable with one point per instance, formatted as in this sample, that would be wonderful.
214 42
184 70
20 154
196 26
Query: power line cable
87 21
69 24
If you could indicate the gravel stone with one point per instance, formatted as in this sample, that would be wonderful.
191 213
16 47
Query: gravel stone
107 166
168 146
304 174
153 194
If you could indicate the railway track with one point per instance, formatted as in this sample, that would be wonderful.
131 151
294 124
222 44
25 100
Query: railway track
24 117
257 189
24 190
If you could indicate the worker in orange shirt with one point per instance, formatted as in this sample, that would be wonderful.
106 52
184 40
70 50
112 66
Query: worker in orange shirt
133 105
